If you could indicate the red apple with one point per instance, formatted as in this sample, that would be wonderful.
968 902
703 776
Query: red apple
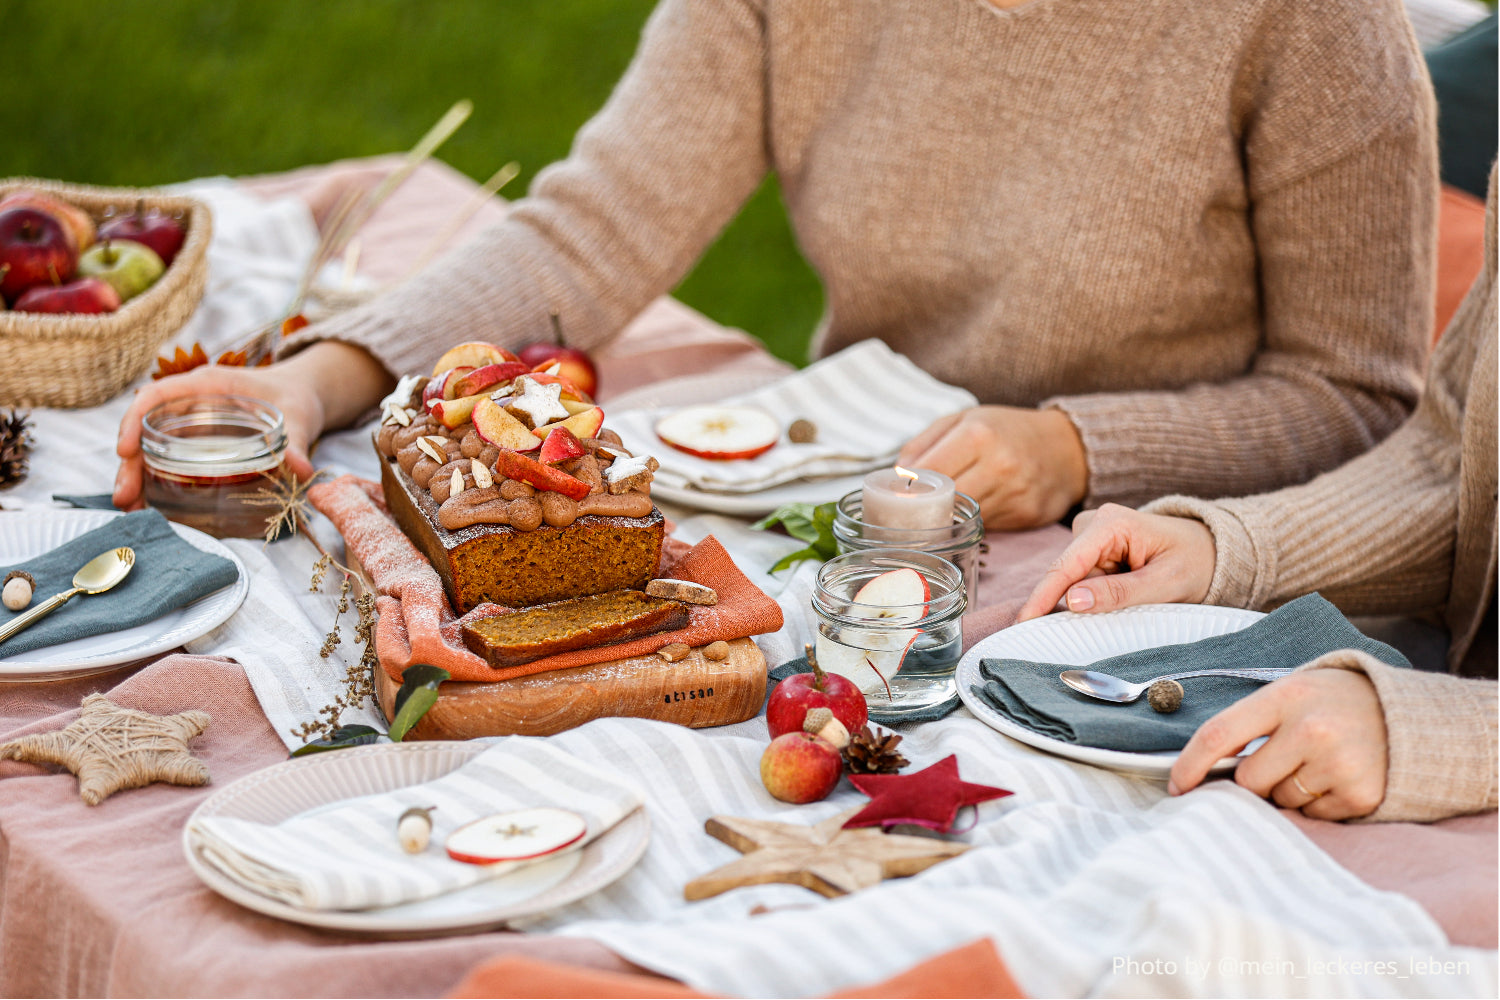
73 218
497 426
153 228
720 432
484 378
573 364
514 465
35 249
799 767
475 354
87 295
560 446
787 707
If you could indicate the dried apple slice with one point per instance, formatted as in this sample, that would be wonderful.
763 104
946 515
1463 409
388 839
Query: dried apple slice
720 432
497 426
585 424
514 465
519 835
475 354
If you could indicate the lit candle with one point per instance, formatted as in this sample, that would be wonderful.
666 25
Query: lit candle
899 498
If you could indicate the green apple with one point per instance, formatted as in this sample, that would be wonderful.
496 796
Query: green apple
129 266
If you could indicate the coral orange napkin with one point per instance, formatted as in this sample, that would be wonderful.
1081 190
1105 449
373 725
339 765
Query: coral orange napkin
417 625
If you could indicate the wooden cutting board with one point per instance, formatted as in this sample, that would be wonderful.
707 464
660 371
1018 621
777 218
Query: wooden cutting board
695 691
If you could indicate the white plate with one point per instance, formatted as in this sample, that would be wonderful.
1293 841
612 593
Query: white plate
814 491
310 783
27 534
1079 640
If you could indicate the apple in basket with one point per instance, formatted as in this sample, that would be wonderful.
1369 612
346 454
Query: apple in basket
154 228
73 218
130 267
35 249
86 295
520 835
720 432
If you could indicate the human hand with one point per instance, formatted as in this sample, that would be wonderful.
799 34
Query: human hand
278 385
1327 749
1025 467
1119 557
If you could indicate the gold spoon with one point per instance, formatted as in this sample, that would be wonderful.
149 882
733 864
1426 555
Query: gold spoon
97 575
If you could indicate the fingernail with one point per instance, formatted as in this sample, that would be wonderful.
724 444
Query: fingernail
1080 599
1172 788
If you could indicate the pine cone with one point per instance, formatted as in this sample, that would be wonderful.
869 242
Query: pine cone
869 753
15 447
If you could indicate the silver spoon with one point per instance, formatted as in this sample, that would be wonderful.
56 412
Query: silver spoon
1107 687
97 575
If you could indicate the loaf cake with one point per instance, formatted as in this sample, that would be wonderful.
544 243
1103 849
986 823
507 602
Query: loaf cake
509 640
507 481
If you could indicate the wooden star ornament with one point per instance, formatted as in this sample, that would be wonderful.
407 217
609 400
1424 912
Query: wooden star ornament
825 858
930 797
111 748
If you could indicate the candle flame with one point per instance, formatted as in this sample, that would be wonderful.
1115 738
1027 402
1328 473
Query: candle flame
907 473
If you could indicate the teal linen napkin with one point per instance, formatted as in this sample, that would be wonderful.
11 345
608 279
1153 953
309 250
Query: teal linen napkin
1031 695
169 573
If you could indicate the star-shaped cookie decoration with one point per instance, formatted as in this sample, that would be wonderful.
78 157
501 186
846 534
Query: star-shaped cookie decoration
542 403
930 797
825 858
111 748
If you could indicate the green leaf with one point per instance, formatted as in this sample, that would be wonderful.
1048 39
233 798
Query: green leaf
806 523
419 692
343 736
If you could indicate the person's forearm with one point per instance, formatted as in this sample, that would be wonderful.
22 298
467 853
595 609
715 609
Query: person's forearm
347 379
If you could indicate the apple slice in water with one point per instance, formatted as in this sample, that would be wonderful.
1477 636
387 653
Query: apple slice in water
519 835
871 670
720 432
901 595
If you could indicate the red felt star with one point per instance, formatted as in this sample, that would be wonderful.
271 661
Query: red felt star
931 797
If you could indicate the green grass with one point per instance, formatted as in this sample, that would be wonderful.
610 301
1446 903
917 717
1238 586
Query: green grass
140 93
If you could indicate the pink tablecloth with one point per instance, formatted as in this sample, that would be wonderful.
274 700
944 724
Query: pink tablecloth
99 900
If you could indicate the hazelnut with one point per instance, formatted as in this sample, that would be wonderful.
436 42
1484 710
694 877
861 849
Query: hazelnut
18 589
1165 696
802 431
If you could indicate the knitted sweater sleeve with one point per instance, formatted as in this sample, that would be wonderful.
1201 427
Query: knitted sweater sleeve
1376 536
1341 175
1441 739
649 183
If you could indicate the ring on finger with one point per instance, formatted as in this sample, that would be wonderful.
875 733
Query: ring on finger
1311 796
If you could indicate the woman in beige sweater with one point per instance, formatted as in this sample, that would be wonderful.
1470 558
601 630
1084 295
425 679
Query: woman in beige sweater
1407 528
1173 248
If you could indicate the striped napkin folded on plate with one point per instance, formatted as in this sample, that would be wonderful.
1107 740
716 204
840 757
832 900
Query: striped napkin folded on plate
347 857
866 402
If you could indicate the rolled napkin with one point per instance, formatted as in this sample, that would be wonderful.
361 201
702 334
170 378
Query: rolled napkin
866 401
1031 695
348 857
168 574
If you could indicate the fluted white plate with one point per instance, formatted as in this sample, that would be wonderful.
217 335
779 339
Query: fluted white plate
1079 640
27 534
309 784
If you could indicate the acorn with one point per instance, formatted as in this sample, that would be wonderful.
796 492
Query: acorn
414 829
17 589
1165 696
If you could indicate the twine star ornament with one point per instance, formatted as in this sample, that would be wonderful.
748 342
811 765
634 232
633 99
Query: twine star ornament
111 748
825 858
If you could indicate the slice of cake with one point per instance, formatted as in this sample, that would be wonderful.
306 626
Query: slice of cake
510 485
581 623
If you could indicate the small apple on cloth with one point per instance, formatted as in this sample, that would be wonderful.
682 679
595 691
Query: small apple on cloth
790 701
800 768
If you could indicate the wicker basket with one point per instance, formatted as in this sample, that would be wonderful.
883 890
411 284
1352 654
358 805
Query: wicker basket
72 360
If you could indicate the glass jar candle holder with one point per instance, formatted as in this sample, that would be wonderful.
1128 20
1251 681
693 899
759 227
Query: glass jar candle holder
902 655
205 456
958 542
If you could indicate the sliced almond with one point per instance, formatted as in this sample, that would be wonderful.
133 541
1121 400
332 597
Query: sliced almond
674 651
432 450
482 477
397 415
456 483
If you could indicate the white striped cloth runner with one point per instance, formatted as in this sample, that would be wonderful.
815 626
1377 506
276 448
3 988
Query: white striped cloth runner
1089 883
348 857
1436 21
866 402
